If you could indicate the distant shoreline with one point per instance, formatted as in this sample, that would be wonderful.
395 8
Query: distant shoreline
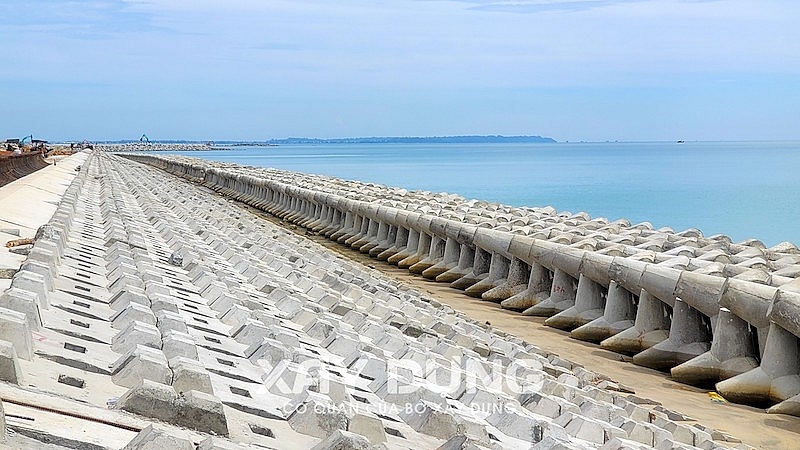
469 139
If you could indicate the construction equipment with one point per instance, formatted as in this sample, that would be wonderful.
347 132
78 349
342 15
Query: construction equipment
144 138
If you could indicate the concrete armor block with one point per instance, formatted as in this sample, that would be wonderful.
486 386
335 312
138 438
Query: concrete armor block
689 336
589 304
618 315
652 324
562 296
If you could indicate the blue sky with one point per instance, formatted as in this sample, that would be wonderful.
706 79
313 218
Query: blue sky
257 69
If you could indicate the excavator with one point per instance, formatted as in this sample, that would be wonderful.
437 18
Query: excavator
144 138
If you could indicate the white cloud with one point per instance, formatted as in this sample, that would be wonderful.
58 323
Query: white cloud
401 52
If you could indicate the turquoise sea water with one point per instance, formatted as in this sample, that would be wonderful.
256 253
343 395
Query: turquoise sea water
741 189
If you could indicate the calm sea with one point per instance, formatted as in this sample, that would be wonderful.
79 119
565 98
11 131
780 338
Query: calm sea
741 189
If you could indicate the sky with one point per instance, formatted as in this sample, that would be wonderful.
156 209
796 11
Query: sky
573 70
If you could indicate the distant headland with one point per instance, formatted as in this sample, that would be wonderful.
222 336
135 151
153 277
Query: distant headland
472 139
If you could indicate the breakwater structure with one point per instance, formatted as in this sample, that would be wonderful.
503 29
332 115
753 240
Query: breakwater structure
156 147
150 313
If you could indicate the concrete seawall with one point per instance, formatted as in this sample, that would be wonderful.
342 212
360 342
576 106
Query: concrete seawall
709 311
13 167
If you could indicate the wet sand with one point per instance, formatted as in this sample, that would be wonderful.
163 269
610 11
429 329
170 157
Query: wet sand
750 425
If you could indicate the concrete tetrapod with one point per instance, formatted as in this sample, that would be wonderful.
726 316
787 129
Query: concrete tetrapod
400 242
540 282
466 257
386 244
689 336
652 324
498 272
435 255
480 270
618 315
448 261
777 378
422 249
562 296
589 304
733 352
516 282
410 248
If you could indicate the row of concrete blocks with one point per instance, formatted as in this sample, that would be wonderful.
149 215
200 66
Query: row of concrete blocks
346 345
306 190
681 320
20 304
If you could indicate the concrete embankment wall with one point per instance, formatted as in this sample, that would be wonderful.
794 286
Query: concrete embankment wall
13 167
709 311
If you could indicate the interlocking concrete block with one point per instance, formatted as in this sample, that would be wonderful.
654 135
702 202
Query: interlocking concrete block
133 312
342 344
141 363
153 438
400 388
431 419
170 321
222 301
268 352
9 364
366 365
288 379
25 302
290 305
305 316
162 302
200 411
341 440
189 375
36 268
588 429
124 282
315 415
150 399
14 329
521 425
369 426
136 333
175 343
320 329
46 254
131 295
544 405
236 316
